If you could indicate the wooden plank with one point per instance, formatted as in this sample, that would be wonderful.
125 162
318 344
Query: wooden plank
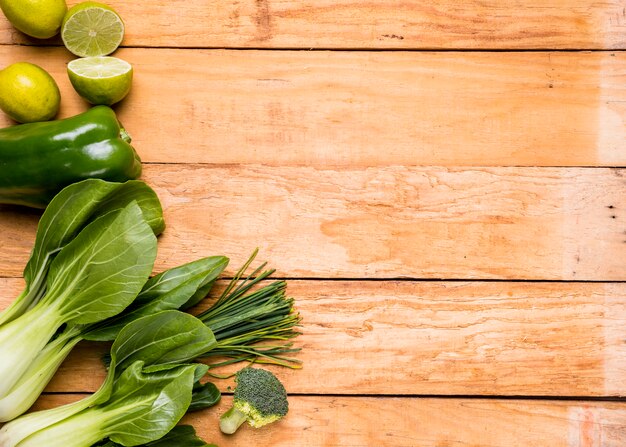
367 109
473 24
437 338
407 422
479 223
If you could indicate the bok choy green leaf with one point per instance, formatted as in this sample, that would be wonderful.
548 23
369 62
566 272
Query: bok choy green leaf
179 436
143 407
173 289
65 217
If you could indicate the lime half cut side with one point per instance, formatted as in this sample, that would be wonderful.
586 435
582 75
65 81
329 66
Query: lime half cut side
102 79
92 29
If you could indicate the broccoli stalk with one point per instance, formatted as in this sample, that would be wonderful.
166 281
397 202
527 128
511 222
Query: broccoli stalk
232 420
259 398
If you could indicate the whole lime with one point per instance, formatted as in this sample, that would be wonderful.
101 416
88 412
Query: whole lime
37 18
28 93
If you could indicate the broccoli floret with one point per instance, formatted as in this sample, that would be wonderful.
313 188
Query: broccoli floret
259 398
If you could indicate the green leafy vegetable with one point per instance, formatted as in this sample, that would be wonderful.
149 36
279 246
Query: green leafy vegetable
66 216
143 407
166 338
172 289
179 436
168 290
93 277
148 388
204 396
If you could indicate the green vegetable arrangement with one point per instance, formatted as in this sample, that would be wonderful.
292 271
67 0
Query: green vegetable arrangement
88 274
240 321
254 326
87 279
170 290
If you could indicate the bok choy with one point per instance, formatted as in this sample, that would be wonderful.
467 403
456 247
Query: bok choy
172 289
78 274
147 390
66 216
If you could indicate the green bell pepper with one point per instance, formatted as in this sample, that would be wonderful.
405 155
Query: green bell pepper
37 160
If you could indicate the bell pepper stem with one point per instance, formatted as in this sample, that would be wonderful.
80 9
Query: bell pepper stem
125 135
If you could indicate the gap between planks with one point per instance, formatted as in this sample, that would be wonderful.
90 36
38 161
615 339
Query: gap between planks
486 397
405 279
340 49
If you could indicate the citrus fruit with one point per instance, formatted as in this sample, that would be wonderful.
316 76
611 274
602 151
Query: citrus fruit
92 29
101 79
28 93
37 18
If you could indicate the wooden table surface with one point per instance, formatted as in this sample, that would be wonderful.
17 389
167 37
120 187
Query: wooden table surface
443 184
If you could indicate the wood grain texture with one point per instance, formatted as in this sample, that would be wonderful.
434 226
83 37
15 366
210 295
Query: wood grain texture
367 164
366 109
472 24
479 223
407 422
442 338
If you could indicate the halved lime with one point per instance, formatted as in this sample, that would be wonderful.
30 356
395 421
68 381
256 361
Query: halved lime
102 79
92 29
